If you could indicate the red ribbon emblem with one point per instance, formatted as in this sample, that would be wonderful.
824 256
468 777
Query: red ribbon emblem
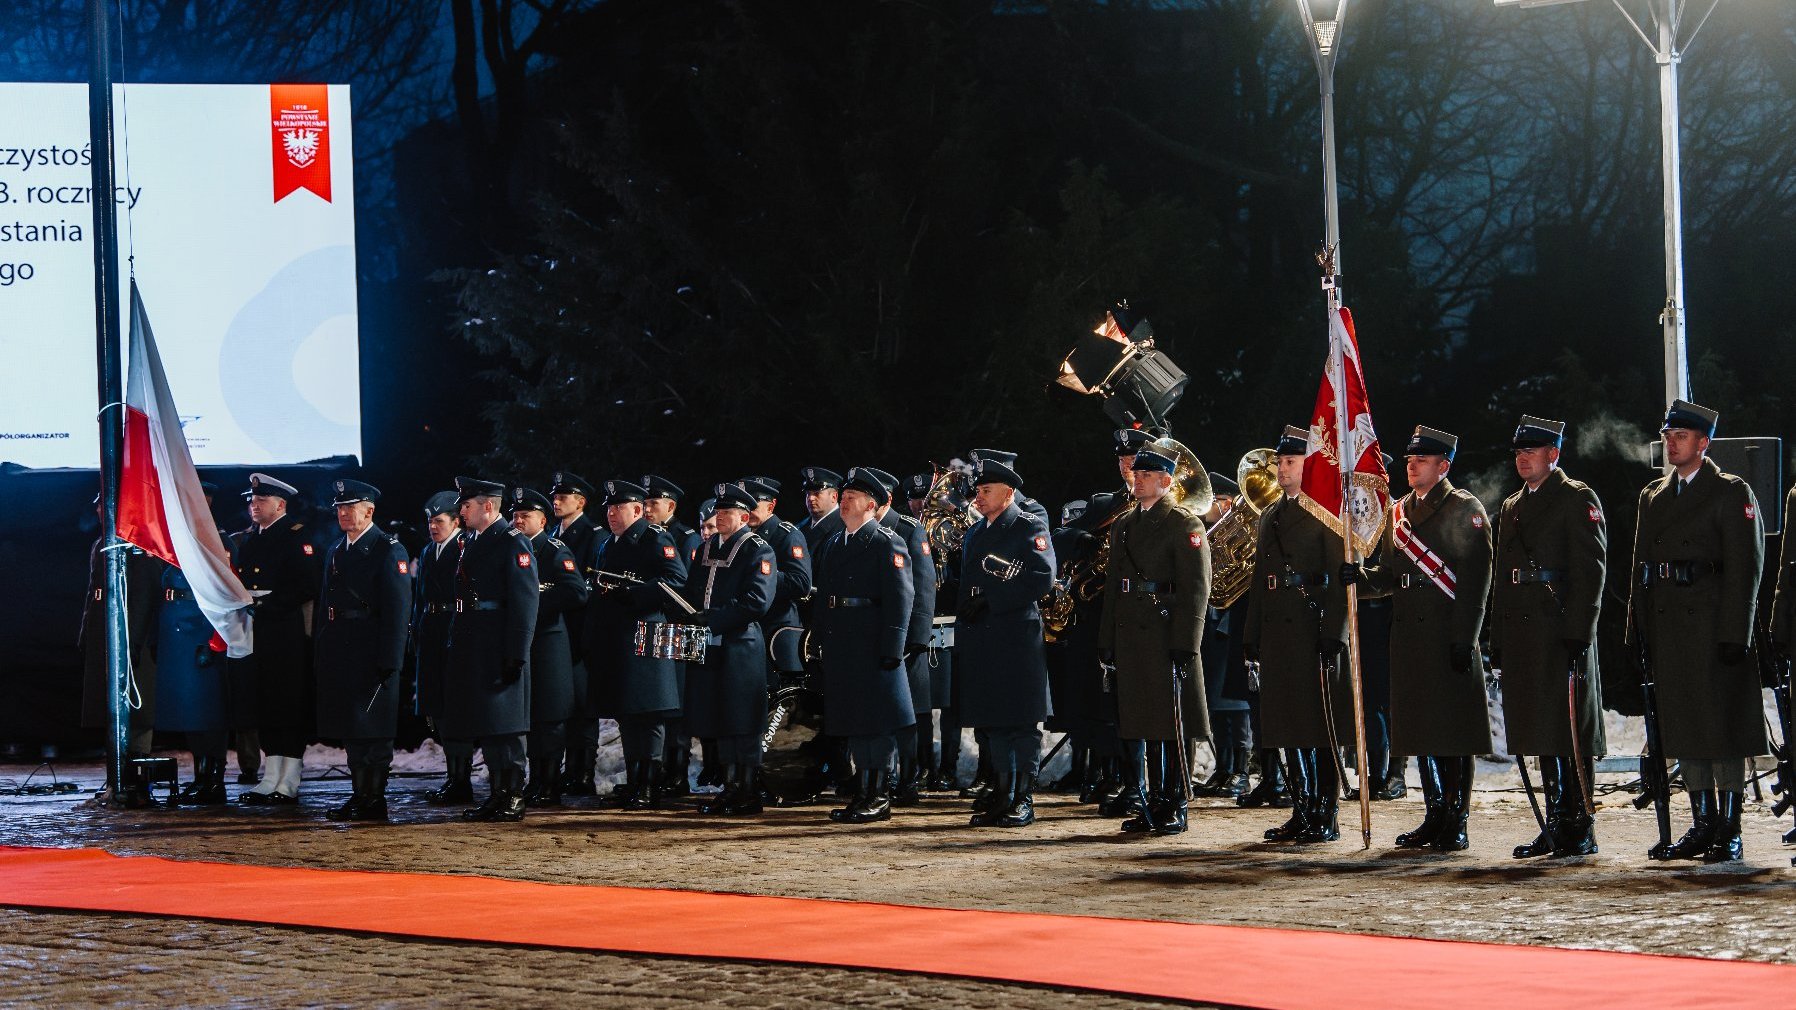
301 133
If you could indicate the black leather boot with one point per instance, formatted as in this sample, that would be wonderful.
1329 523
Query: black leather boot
878 804
1021 811
1542 845
750 789
1075 773
1456 805
1271 790
984 781
545 784
1576 835
458 785
1135 794
1432 802
1303 786
648 793
580 777
208 785
358 795
723 801
510 807
1091 790
988 808
1695 843
1325 803
1394 787
1724 847
1171 819
374 799
863 788
676 773
907 789
494 797
623 794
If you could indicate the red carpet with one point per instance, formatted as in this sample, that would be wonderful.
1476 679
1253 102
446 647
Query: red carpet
1231 965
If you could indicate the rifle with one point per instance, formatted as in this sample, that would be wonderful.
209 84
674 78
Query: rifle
1775 674
1655 781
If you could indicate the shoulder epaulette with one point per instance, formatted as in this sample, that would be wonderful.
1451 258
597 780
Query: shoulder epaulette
297 526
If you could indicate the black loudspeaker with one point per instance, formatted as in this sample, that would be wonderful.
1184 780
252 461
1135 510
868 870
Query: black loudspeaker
1760 461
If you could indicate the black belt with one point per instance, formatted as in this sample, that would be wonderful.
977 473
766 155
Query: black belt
1295 580
347 613
850 601
1680 573
1517 577
1144 586
171 595
461 605
439 608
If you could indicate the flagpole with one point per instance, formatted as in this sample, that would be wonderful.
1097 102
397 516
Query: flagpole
1324 37
101 16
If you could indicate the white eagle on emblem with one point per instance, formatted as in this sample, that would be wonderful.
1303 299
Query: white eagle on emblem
301 145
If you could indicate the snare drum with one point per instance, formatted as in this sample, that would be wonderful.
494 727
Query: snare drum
660 640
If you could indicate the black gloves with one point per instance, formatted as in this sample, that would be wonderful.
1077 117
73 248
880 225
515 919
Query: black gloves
914 650
1329 648
1181 661
1575 647
1730 653
380 677
1250 652
510 674
973 609
1352 574
1107 656
1461 659
702 619
889 663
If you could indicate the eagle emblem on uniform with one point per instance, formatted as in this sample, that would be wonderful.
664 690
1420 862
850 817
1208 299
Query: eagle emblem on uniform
610 487
301 146
339 487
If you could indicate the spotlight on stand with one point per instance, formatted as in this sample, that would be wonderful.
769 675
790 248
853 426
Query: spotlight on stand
1118 362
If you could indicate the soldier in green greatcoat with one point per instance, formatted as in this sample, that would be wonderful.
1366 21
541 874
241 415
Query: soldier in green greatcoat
1698 551
1552 549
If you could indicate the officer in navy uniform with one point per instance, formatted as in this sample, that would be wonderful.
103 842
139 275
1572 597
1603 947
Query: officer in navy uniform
433 603
731 586
486 689
823 520
1225 674
940 770
1006 566
863 623
1699 550
190 683
663 499
569 495
781 625
274 684
921 566
640 691
563 595
360 628
143 573
1023 501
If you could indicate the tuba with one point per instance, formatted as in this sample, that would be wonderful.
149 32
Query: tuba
1190 481
946 518
1233 541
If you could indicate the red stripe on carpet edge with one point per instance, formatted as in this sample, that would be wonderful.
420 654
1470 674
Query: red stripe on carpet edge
1234 965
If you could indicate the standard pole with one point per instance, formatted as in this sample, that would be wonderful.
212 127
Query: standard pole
101 18
1677 370
1331 202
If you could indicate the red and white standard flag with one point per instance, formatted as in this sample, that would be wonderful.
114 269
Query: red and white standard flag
1369 500
161 507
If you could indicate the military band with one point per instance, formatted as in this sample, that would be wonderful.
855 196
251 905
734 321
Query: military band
526 634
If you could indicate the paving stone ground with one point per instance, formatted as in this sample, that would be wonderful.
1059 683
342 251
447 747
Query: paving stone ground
1069 862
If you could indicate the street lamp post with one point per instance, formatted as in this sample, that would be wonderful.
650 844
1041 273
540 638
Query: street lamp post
1667 17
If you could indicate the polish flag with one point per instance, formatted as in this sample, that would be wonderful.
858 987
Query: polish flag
161 508
1368 496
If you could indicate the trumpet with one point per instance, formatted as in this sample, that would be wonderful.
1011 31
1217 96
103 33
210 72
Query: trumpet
1004 568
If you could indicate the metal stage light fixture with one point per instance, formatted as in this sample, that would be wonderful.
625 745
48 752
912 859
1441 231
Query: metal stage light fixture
1118 361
